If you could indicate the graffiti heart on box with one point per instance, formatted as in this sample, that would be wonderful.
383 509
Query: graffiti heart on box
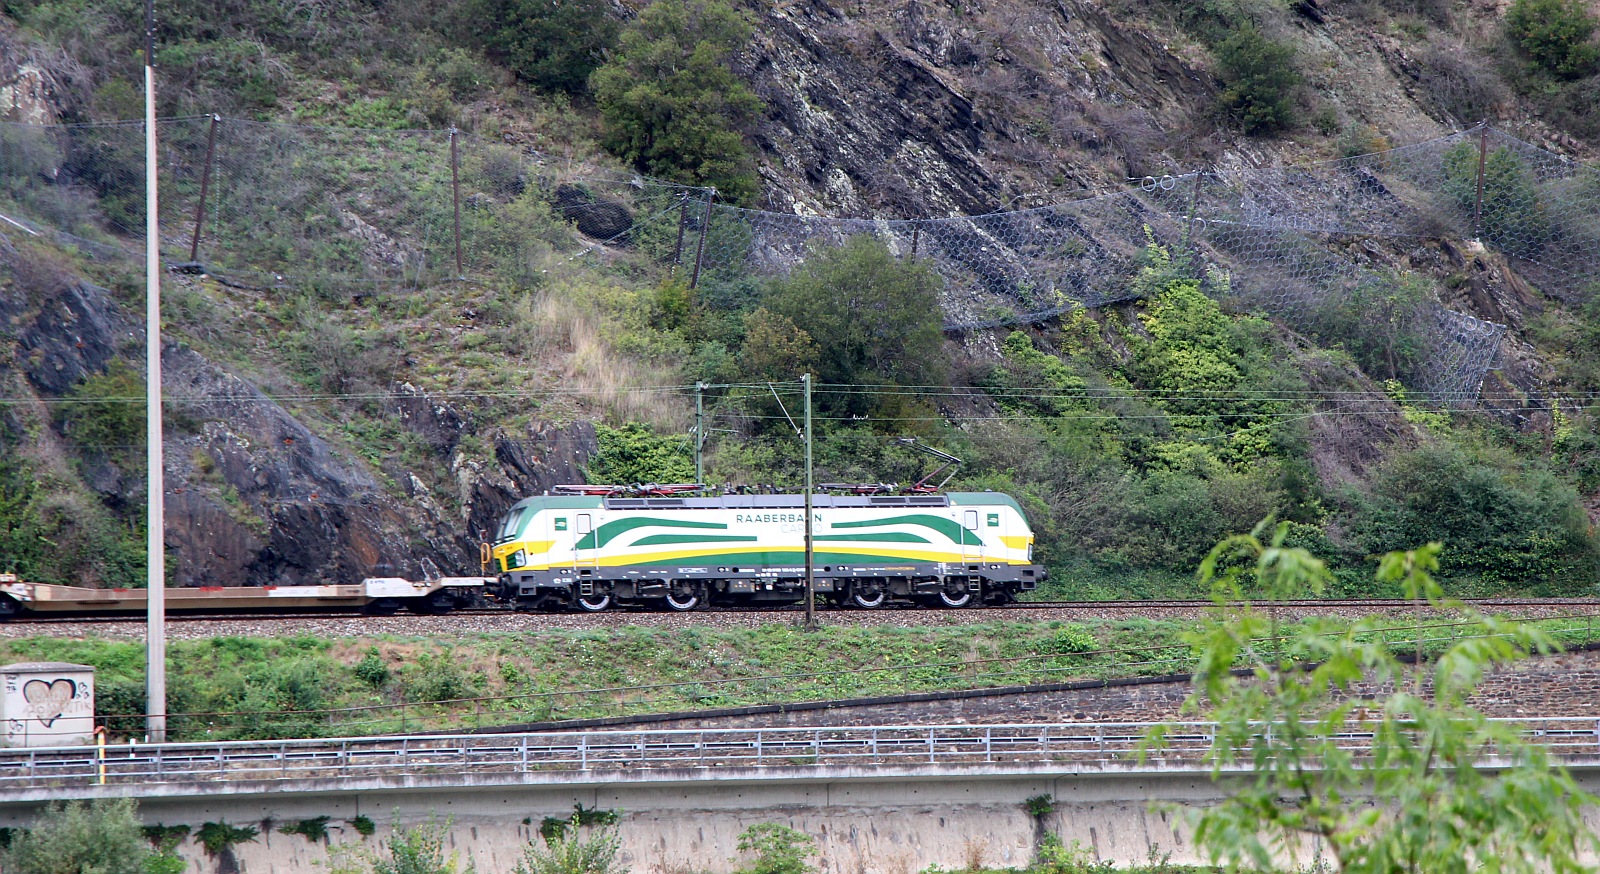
48 700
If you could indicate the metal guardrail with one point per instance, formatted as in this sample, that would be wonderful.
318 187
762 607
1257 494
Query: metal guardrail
706 752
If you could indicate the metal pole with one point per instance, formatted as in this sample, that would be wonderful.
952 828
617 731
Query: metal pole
205 186
455 194
1483 158
155 519
700 250
811 582
699 433
683 222
916 237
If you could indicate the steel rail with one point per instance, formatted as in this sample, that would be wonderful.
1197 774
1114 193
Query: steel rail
1482 604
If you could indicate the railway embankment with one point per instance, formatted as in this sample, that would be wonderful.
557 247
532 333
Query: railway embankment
1560 685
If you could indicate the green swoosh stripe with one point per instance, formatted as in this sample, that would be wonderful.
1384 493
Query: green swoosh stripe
879 537
947 527
611 530
664 539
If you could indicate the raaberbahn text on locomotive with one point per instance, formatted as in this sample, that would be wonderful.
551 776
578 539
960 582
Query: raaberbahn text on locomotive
592 548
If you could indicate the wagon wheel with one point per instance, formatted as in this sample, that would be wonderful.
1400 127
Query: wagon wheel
8 607
869 595
957 599
683 597
383 607
594 603
434 604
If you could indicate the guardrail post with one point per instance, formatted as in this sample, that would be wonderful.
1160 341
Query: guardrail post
524 752
988 744
758 748
700 747
930 746
583 752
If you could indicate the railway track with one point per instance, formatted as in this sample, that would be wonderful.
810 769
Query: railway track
1066 608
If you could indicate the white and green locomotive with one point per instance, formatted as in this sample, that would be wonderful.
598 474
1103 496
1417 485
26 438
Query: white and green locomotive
592 552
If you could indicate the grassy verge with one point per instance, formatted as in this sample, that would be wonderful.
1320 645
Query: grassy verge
232 687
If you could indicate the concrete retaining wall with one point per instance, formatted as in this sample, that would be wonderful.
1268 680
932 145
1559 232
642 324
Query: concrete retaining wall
860 825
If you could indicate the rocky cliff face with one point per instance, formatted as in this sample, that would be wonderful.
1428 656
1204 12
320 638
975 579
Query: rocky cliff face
254 496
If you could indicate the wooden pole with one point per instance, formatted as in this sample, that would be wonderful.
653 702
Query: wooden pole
455 194
705 228
205 186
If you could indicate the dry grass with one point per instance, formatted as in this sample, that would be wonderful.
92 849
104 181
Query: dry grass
569 338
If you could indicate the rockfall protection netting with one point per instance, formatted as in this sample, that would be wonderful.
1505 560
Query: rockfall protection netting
259 204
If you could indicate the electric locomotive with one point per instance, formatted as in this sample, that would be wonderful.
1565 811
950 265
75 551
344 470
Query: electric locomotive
597 550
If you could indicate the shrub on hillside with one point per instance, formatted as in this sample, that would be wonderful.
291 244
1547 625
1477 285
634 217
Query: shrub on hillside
1556 35
103 837
671 105
1505 523
551 44
875 319
1260 80
1512 215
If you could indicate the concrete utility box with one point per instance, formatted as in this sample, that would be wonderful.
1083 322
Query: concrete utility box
46 704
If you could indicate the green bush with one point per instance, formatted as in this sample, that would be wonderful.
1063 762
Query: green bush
1380 324
671 105
1556 35
1505 522
1260 80
103 836
632 454
550 45
875 320
569 850
1512 216
778 849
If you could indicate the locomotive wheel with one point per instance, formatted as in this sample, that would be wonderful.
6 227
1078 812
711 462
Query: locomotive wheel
869 596
593 603
683 598
951 599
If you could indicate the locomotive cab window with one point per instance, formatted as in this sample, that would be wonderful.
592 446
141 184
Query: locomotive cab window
512 524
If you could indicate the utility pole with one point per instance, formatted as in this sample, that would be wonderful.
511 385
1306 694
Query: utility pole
699 433
811 580
155 520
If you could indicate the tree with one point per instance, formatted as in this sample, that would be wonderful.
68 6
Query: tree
101 837
1260 78
671 105
1418 799
875 319
1556 35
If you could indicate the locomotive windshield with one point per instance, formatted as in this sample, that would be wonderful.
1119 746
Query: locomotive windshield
511 523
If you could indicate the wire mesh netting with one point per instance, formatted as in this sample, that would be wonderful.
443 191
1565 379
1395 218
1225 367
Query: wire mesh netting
273 203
